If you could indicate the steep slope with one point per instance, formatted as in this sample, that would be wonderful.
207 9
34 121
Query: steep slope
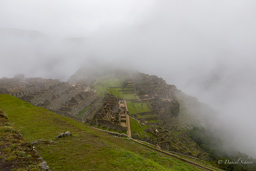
161 115
15 152
87 148
158 111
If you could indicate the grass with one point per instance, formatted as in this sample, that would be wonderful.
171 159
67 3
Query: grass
114 86
111 82
84 110
127 96
139 129
115 91
118 92
88 148
141 108
130 107
135 107
14 151
103 86
100 90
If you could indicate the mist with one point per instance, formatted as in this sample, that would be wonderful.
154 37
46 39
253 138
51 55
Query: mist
205 48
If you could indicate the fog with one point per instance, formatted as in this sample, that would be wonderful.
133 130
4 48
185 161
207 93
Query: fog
205 48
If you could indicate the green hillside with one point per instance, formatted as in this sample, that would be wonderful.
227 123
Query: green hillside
150 110
87 148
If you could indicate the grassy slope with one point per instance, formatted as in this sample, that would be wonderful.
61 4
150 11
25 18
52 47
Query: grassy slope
14 152
87 149
137 128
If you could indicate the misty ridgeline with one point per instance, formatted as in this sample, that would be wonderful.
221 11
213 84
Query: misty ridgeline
185 74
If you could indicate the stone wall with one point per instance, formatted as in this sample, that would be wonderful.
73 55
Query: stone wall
95 108
51 94
74 110
164 145
109 125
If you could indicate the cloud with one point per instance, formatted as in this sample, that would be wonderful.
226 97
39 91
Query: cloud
205 48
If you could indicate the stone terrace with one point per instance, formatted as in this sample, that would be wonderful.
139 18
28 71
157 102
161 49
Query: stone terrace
49 93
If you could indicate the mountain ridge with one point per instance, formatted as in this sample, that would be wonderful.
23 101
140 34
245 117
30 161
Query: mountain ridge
121 101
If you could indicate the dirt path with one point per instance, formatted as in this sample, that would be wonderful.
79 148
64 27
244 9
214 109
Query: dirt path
129 127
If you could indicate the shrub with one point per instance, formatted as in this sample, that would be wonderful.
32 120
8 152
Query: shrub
6 129
21 153
7 150
11 158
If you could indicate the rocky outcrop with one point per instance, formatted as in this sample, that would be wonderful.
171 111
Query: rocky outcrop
44 166
64 134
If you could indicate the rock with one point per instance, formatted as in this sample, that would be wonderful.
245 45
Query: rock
40 158
44 165
34 142
68 133
60 135
65 134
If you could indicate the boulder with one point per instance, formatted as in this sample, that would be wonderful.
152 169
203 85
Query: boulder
65 134
44 165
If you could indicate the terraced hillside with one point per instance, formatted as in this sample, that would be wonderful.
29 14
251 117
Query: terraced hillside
157 111
60 97
86 149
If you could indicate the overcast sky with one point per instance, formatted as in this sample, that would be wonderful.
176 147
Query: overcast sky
205 48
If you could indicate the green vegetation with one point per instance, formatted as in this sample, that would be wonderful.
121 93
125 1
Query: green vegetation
103 86
115 91
84 110
14 150
111 82
136 107
130 107
141 107
114 86
87 149
137 128
127 96
118 92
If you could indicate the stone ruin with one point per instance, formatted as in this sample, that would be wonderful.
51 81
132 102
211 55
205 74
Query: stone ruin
60 97
112 114
68 100
158 94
